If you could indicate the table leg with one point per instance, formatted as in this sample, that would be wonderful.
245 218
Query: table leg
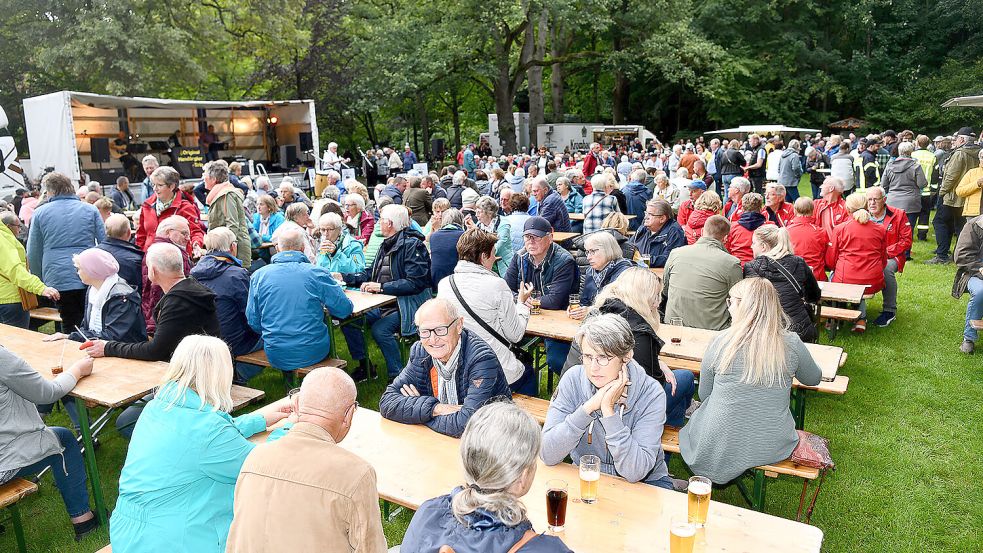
799 407
18 529
90 461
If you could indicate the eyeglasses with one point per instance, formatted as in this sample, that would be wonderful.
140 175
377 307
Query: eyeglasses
599 360
438 331
592 251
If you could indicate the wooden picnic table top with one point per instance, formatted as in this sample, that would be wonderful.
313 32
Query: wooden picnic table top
114 382
840 291
558 325
414 463
563 236
363 301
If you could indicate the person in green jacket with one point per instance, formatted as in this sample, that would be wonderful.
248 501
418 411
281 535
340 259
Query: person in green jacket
15 276
176 487
225 208
339 252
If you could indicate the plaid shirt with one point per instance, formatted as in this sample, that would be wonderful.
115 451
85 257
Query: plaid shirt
594 216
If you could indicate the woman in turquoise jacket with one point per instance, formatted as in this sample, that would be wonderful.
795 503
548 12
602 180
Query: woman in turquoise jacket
267 218
176 487
338 252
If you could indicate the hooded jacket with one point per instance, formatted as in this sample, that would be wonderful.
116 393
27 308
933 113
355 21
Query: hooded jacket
222 273
904 180
443 251
348 256
479 377
122 317
693 229
962 160
739 238
13 269
791 295
970 192
187 308
789 168
809 242
286 306
149 220
225 210
636 196
130 259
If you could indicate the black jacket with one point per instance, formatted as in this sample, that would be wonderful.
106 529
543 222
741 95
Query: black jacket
188 308
792 296
130 259
122 317
628 250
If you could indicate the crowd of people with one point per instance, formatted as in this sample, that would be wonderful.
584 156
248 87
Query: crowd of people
196 274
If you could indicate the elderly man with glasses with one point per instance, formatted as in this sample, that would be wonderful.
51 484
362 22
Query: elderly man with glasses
451 373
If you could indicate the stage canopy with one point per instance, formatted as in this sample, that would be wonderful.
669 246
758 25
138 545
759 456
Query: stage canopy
764 130
964 101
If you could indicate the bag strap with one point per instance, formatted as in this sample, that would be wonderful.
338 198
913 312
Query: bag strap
788 276
477 319
526 538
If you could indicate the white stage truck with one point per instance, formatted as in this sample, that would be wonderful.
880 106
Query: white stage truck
11 171
578 136
76 132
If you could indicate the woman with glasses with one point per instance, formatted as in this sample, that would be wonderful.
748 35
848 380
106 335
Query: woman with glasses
609 407
175 490
606 263
338 251
746 375
357 217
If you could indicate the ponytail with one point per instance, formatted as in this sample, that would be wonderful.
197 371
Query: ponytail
504 505
861 216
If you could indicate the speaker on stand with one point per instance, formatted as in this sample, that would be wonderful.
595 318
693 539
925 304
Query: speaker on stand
99 150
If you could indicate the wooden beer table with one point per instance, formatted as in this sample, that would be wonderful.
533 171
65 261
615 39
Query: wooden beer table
412 465
839 291
364 301
564 236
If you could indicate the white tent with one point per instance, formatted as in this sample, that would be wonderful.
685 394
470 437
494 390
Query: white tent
761 129
61 125
964 101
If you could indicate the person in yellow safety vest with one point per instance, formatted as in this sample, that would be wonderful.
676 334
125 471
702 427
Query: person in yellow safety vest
929 164
867 171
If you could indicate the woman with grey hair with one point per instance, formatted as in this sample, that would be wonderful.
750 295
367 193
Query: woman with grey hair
486 209
498 451
904 181
606 263
609 407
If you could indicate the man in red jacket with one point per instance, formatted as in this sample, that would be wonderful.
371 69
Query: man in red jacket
167 201
696 189
830 210
808 239
739 238
898 228
778 210
592 159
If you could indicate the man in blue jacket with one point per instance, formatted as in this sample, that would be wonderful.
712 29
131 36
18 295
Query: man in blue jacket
128 255
660 234
551 205
286 305
637 195
450 375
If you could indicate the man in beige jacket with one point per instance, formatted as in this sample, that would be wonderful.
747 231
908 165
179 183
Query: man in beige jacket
303 492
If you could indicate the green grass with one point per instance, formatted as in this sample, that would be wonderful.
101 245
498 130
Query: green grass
905 438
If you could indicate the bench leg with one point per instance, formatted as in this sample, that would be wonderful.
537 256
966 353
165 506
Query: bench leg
90 462
758 498
18 529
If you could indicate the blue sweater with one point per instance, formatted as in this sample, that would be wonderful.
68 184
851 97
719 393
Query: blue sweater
554 210
223 274
479 378
443 252
60 228
636 195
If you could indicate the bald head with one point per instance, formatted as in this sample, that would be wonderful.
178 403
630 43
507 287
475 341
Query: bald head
118 226
290 239
326 398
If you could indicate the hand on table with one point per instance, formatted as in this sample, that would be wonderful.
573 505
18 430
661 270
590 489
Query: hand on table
444 409
97 349
371 287
51 293
54 337
409 390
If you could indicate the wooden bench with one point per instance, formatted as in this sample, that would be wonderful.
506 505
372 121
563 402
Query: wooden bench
259 359
10 494
978 325
828 312
46 314
670 443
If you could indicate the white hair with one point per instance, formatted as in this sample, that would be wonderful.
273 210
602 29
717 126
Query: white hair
165 258
459 177
202 364
330 219
290 239
397 214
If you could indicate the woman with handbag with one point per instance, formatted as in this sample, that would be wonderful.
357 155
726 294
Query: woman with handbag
490 309
794 281
18 287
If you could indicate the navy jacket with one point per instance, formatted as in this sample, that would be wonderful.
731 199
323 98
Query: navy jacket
591 289
658 245
479 378
434 525
130 259
556 278
122 317
443 252
554 210
636 196
223 274
393 192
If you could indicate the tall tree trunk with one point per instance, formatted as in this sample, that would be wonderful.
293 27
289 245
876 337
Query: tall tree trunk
456 120
597 76
558 47
423 115
619 98
503 109
537 102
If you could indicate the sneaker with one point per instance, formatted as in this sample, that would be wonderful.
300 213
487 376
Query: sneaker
693 406
860 326
968 347
361 373
937 261
885 318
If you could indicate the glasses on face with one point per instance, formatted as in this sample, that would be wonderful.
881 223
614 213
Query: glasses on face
599 360
532 238
592 251
436 331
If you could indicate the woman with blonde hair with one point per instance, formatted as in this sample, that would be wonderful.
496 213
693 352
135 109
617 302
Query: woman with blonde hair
857 252
746 375
706 206
498 450
175 490
790 274
440 205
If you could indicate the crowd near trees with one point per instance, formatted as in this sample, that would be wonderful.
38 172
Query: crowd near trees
389 71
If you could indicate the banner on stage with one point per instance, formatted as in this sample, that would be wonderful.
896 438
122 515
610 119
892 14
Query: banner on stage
188 162
421 168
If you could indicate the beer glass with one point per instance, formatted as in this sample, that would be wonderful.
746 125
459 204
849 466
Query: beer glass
682 535
590 473
698 491
646 260
556 504
536 298
574 301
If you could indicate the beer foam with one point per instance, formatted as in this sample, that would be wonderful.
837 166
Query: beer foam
699 488
683 530
590 476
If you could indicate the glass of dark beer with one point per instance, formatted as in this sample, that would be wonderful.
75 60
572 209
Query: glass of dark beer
556 504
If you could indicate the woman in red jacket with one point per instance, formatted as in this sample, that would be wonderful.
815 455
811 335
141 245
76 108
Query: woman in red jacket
809 240
739 239
858 252
166 201
706 206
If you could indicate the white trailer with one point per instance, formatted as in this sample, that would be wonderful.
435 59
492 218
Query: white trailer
578 136
521 121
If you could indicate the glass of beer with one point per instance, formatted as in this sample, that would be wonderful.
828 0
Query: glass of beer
698 491
574 301
682 535
556 504
536 299
646 260
590 473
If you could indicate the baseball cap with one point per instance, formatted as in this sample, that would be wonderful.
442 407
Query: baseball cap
537 226
966 131
469 196
698 184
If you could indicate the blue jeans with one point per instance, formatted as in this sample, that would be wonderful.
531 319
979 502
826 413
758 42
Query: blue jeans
676 405
948 222
666 481
14 315
792 193
127 420
528 383
384 331
68 470
556 354
726 184
974 311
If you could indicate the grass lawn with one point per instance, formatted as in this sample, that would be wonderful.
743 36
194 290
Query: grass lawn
905 438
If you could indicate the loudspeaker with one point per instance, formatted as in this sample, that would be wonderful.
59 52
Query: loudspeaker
437 148
288 155
306 141
100 150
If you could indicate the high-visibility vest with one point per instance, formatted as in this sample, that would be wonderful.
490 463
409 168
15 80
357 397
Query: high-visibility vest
926 160
859 167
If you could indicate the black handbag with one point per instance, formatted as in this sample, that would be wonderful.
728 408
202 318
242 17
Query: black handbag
522 355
